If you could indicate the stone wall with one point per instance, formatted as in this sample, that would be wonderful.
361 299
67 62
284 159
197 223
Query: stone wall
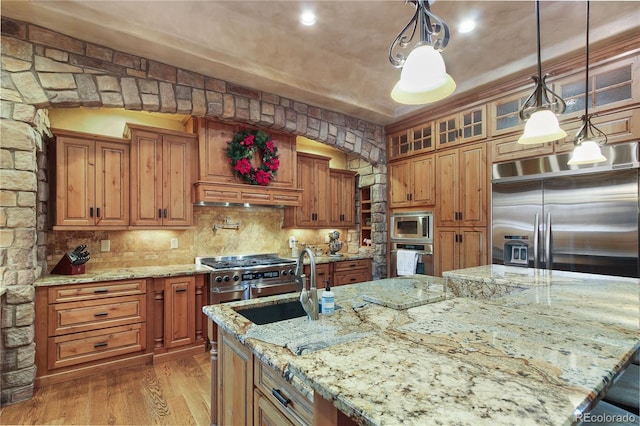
43 69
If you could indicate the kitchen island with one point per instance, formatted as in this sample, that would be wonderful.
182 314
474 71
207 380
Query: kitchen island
497 345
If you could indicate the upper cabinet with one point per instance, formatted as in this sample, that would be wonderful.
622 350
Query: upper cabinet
466 126
343 196
419 139
412 182
91 181
162 162
313 179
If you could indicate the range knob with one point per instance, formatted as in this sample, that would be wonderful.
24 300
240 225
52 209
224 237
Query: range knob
236 277
284 273
291 272
218 279
226 278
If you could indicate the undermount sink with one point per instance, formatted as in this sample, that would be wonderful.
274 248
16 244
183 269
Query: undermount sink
273 313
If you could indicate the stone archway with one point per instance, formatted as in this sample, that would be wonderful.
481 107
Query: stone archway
43 69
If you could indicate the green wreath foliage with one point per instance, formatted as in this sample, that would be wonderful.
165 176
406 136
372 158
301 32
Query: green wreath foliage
241 149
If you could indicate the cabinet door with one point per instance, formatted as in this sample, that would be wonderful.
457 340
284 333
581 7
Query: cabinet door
286 176
399 179
423 179
447 132
266 414
342 206
75 181
179 311
177 208
146 178
447 187
112 184
446 249
472 189
305 214
235 382
473 247
398 145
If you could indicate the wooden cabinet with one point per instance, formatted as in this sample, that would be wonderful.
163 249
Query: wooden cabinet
351 272
95 326
235 382
91 181
178 318
462 186
342 186
162 163
323 273
459 247
466 126
419 139
313 179
412 182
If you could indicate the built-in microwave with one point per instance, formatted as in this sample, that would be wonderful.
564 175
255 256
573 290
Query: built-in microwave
412 226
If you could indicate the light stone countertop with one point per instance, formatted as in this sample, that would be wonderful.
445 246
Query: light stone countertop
122 274
519 346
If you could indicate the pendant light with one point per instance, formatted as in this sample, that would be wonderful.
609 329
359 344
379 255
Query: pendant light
589 138
540 109
424 78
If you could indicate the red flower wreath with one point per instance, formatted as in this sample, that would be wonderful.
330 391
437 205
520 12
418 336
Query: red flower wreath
241 150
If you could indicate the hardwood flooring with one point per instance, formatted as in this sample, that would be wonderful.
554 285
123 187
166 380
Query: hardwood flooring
175 392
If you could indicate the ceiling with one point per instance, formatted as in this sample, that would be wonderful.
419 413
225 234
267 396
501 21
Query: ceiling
341 63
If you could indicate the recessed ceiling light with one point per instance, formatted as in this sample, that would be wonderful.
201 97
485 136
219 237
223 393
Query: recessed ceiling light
467 26
308 18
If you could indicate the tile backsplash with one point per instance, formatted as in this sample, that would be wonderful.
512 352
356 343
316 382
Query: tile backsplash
260 231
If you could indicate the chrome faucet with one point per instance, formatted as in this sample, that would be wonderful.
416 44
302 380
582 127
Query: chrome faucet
308 297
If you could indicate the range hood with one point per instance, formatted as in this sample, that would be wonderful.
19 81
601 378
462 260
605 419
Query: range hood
232 194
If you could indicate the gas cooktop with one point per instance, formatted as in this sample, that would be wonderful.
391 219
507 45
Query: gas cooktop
244 262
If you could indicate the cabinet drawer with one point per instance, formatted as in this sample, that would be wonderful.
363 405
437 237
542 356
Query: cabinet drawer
348 265
74 293
89 315
352 277
297 407
95 345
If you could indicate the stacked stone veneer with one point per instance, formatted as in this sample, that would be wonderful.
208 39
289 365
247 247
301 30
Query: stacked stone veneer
43 69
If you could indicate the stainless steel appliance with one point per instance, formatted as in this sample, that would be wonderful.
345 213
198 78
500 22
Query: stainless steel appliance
412 226
577 218
247 277
412 231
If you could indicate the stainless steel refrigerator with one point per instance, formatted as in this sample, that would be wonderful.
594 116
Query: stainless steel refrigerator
546 214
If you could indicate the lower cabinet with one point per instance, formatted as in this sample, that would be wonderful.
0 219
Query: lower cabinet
459 248
341 273
351 272
96 327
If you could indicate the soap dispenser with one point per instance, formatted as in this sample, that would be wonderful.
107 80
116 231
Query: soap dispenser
328 300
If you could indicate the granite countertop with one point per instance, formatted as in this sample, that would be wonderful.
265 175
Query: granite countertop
122 274
505 345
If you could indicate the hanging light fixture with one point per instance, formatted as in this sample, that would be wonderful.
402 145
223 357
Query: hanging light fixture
424 77
589 138
541 107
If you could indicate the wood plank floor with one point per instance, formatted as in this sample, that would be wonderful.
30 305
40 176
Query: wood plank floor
171 393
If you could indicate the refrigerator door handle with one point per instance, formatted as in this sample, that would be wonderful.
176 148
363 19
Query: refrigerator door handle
547 243
536 239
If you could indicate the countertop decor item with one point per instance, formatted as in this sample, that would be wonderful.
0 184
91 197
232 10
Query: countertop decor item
334 243
72 263
244 145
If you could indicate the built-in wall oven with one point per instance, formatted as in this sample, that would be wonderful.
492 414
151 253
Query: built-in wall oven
412 231
246 277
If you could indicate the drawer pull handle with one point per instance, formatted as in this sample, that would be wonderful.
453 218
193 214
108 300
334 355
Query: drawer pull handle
101 314
101 290
181 290
100 344
283 399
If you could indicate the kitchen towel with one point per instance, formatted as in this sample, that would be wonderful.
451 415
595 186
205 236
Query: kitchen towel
406 262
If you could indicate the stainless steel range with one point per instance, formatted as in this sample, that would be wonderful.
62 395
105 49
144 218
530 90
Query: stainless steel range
247 277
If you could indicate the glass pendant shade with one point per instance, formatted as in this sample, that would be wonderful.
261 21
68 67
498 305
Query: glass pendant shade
541 127
588 152
423 79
